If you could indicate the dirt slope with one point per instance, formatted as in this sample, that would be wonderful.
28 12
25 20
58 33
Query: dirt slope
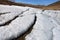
55 5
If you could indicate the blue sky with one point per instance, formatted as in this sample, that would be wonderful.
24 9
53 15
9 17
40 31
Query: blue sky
37 2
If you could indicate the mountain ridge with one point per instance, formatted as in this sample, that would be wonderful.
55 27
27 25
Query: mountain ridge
53 6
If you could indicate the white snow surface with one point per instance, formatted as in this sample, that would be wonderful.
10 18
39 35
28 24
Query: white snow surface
46 27
17 26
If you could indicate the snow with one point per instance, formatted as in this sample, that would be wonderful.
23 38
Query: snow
32 11
52 13
7 8
7 17
46 27
10 12
16 27
56 33
41 31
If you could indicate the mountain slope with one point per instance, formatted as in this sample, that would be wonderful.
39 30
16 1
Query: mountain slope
55 5
6 2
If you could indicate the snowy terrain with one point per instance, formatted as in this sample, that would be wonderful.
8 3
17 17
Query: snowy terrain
15 20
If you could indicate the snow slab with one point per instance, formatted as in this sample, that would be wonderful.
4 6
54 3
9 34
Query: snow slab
16 27
9 12
44 29
7 8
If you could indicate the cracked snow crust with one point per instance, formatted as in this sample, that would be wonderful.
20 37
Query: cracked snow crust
15 20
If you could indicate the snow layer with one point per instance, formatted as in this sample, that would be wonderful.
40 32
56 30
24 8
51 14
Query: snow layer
45 28
18 25
15 9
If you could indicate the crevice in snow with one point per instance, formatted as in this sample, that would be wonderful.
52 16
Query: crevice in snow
8 22
27 32
4 13
25 11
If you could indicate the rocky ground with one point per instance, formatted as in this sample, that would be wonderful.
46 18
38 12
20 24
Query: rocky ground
27 23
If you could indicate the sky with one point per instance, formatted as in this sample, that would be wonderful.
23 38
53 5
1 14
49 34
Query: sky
37 2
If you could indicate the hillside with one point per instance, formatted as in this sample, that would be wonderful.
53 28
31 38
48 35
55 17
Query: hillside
6 2
55 5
